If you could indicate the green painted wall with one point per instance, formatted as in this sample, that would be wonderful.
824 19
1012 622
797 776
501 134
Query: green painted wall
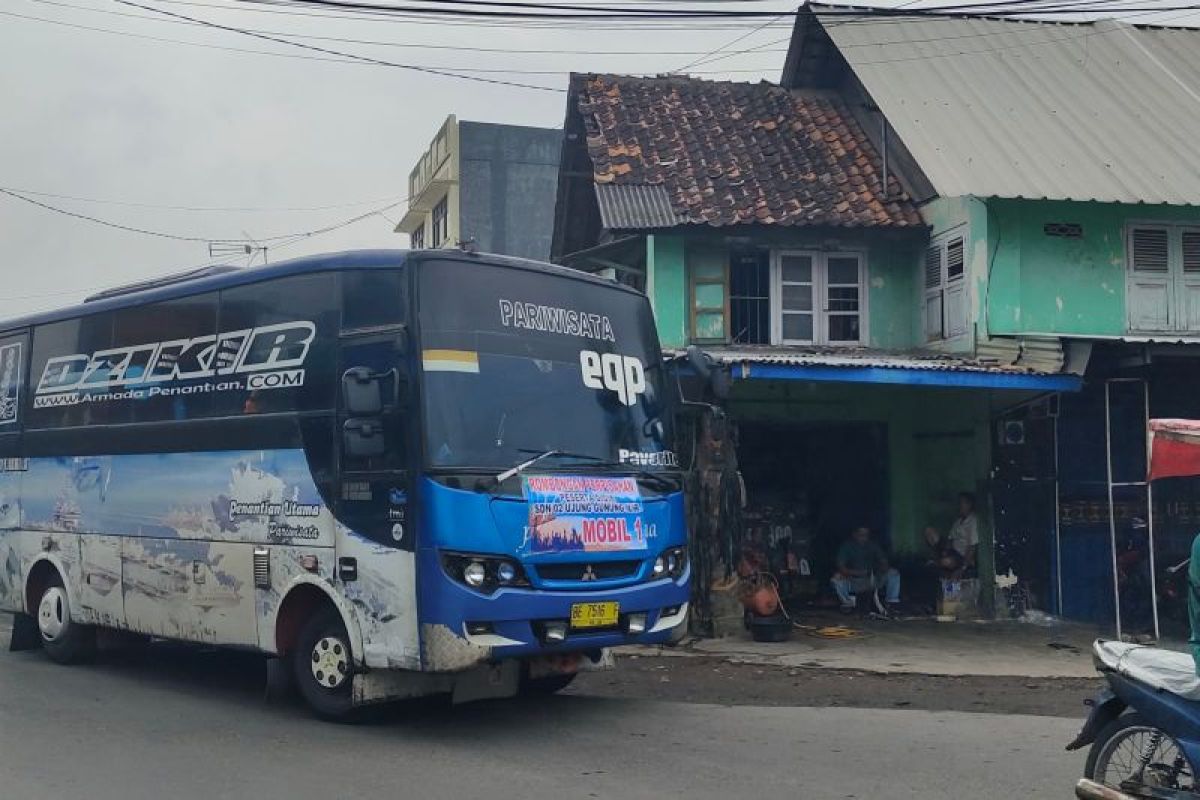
893 322
1055 285
939 444
892 296
666 285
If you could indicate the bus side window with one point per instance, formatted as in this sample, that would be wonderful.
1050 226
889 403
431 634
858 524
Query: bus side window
72 343
142 326
290 357
373 298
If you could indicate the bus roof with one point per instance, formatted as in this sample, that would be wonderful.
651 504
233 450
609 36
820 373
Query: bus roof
210 279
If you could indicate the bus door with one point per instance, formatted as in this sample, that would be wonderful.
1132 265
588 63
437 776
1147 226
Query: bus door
376 540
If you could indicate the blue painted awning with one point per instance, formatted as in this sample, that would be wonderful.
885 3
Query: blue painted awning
910 376
908 368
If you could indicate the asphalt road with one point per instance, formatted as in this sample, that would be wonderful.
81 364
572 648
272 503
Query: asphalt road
182 723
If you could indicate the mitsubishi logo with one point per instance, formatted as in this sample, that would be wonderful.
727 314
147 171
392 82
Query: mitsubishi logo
588 575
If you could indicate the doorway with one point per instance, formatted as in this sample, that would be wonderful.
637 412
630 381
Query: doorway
808 485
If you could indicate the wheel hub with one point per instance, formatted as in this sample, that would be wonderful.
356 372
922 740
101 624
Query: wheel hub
330 662
53 616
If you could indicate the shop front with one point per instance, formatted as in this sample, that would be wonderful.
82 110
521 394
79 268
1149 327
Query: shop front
1084 534
827 443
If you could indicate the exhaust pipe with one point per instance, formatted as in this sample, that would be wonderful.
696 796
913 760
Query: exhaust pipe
1090 790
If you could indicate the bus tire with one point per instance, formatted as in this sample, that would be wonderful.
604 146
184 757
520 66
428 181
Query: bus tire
323 666
65 640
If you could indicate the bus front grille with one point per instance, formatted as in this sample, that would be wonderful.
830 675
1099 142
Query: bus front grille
588 570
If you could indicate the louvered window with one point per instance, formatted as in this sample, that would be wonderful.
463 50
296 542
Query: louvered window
945 287
1163 289
1191 251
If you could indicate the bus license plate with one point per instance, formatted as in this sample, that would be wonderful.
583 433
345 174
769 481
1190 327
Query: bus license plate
594 615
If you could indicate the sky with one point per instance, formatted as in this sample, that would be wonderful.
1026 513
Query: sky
258 147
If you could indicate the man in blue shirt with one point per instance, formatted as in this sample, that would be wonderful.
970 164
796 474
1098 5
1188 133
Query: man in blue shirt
861 566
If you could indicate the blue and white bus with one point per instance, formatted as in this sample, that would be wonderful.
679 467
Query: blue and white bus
400 473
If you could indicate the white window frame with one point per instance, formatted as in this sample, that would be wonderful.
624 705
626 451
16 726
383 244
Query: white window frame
1182 288
820 297
950 293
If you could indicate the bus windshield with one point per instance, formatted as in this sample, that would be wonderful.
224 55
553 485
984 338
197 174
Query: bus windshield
517 363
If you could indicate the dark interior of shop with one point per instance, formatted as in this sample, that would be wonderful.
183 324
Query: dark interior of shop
807 487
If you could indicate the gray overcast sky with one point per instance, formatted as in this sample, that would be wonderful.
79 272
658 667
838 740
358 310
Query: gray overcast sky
99 115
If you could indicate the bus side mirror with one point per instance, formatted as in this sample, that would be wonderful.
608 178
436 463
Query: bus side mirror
715 376
361 393
363 438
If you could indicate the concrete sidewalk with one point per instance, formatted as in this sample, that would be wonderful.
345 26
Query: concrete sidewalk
920 646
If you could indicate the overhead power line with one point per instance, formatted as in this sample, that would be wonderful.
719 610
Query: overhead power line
342 54
169 207
380 42
519 9
287 237
467 71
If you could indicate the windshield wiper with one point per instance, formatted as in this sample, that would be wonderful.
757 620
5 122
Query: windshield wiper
541 456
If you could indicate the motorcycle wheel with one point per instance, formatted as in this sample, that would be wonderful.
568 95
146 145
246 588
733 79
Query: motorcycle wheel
1131 749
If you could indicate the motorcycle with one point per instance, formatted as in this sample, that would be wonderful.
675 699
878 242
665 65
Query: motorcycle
1144 729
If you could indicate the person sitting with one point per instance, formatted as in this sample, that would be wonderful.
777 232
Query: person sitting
944 560
862 566
964 533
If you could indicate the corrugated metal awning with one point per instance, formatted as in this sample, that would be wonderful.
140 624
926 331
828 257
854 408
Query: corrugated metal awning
864 365
635 206
1101 111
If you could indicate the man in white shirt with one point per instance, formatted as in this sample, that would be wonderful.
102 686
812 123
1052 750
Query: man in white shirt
964 533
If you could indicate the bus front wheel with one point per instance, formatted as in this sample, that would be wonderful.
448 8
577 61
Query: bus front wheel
324 667
64 639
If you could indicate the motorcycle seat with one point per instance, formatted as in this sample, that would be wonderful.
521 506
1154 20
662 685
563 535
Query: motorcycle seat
1161 669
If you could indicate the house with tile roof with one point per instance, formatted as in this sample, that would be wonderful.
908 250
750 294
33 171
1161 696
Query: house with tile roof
766 224
1055 166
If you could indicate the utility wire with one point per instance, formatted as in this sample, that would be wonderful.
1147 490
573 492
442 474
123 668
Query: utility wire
467 71
206 239
341 54
539 11
381 42
727 45
167 207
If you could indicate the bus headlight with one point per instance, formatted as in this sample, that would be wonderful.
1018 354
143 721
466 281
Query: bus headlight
474 574
483 572
672 563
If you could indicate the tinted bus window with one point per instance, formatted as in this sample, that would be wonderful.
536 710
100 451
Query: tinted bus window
287 362
371 298
187 329
71 373
12 381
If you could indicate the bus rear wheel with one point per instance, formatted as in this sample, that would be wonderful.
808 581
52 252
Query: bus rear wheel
64 639
323 666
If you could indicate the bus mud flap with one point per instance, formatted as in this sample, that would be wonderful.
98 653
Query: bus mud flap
25 634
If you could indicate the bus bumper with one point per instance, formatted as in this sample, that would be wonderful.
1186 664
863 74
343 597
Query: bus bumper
470 628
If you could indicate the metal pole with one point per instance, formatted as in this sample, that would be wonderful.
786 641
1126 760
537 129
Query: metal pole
1112 517
1150 514
1057 523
